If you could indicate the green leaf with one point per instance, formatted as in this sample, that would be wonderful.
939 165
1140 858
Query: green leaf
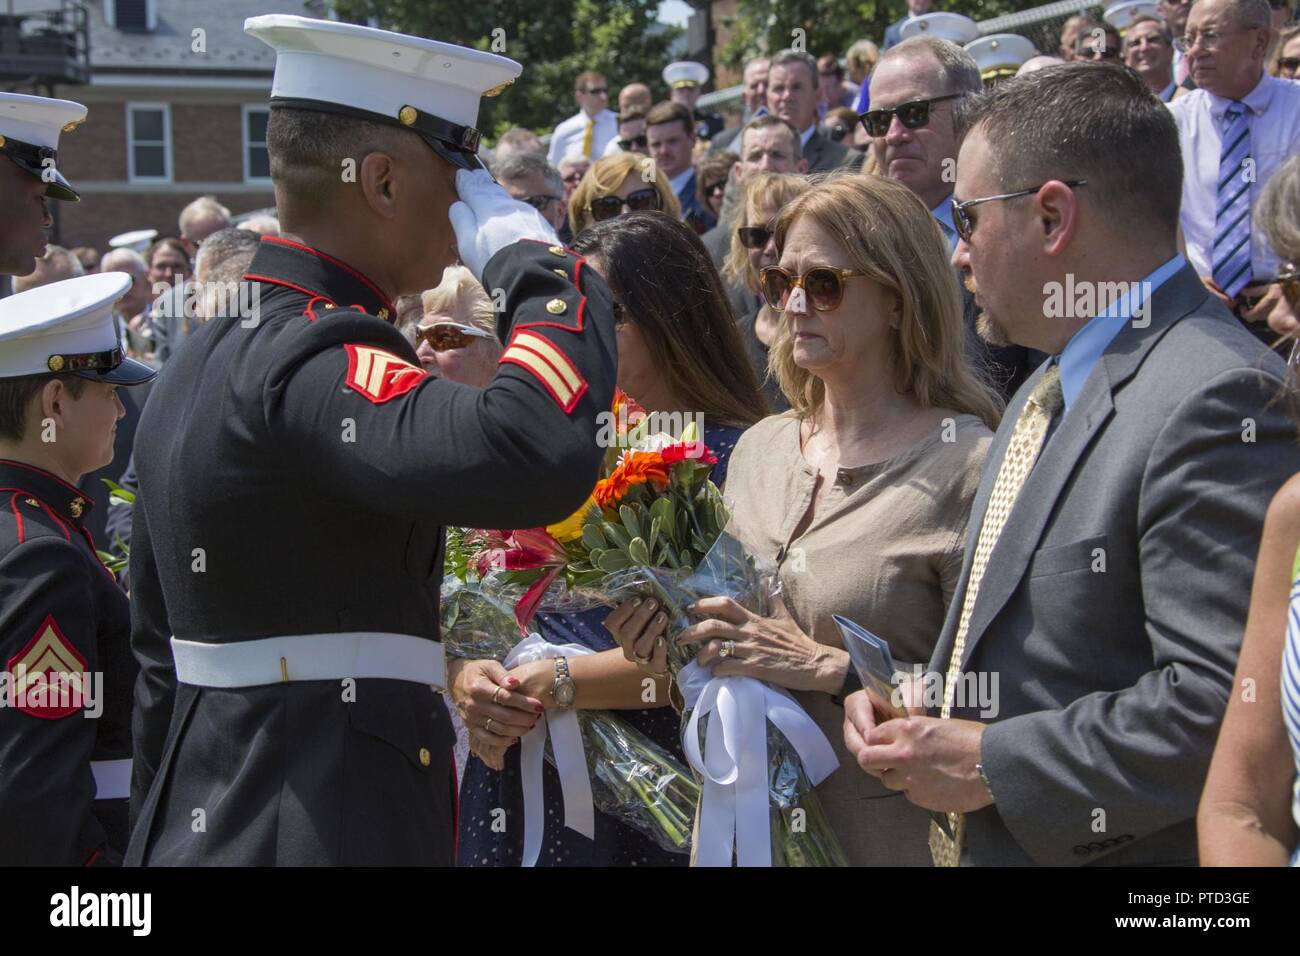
639 552
655 527
612 561
616 534
630 521
592 536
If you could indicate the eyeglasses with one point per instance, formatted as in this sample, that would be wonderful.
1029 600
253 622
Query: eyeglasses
962 221
1289 63
716 189
823 285
912 115
574 178
596 90
540 202
753 237
1209 41
444 336
627 145
607 207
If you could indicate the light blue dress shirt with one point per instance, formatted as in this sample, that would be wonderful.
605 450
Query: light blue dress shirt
943 213
1082 352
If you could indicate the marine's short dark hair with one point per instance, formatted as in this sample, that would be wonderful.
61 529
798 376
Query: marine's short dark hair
1093 121
309 142
17 393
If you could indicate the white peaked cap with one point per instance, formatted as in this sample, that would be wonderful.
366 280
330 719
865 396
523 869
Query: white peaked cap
946 26
1121 15
1001 53
68 326
137 239
686 73
29 127
394 78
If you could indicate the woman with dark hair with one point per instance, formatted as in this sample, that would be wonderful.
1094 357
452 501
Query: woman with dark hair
679 355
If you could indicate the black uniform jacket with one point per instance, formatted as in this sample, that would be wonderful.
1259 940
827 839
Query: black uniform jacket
61 612
296 471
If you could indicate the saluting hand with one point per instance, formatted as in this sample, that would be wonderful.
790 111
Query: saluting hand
486 220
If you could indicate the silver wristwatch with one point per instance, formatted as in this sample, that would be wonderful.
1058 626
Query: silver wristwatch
563 690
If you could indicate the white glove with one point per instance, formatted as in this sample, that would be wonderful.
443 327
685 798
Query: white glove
486 220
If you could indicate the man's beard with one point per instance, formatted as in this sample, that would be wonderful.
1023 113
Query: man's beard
986 327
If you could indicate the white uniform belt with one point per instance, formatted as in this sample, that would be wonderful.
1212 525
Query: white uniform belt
305 657
112 778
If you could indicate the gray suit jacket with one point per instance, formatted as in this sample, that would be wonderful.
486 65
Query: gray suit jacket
824 154
1113 605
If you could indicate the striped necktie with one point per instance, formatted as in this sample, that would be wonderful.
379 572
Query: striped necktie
1231 271
587 136
1027 439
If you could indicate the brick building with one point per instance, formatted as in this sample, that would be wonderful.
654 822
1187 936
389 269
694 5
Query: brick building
178 106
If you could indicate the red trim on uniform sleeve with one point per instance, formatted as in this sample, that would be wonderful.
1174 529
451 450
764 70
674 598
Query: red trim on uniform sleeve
310 311
379 375
284 282
18 517
90 860
547 363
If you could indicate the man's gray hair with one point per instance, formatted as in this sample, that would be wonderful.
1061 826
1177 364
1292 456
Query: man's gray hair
56 265
221 295
796 56
201 209
767 121
1251 14
522 165
958 71
124 260
220 246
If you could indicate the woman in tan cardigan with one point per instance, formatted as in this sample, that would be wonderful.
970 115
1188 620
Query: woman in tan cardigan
861 493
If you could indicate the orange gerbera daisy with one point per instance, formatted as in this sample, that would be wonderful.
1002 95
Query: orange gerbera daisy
634 468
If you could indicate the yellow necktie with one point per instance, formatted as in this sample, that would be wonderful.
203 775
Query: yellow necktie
1022 451
587 136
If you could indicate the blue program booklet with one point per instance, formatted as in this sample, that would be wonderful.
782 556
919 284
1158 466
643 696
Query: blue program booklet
874 665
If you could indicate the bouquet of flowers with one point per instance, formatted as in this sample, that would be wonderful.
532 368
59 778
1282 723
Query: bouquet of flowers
653 527
633 778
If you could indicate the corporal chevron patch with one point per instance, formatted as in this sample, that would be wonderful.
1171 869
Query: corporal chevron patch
380 375
47 678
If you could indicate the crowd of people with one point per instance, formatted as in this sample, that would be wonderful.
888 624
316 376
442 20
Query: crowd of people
991 346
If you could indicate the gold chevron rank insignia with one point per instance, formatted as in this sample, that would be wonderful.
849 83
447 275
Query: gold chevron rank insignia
550 366
47 677
380 375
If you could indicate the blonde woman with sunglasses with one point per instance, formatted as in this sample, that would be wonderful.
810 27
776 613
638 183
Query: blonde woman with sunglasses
454 338
860 494
617 185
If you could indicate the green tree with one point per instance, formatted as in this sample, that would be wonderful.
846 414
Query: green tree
829 26
555 40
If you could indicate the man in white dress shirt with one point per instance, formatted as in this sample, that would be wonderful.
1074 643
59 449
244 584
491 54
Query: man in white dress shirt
1148 50
1236 129
589 131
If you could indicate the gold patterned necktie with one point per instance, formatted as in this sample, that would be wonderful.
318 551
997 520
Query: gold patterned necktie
1045 401
587 136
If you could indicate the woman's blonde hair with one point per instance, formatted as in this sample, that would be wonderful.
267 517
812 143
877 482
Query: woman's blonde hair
761 190
459 293
606 175
889 235
862 57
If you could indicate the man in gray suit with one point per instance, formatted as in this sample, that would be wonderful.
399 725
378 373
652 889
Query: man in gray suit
792 94
1107 576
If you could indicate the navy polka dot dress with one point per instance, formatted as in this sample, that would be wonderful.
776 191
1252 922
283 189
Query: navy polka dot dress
488 838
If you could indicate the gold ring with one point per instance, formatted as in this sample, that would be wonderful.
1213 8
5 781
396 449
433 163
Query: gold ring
728 649
488 725
495 692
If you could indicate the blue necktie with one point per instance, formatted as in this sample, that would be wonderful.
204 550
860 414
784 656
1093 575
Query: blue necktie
1231 252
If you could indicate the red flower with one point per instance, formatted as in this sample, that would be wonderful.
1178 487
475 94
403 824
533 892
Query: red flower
695 451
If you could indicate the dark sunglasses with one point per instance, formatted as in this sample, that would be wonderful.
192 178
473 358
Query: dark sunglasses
1106 52
1290 63
444 336
753 237
838 132
823 285
540 202
962 221
717 189
627 145
573 178
597 90
912 115
607 207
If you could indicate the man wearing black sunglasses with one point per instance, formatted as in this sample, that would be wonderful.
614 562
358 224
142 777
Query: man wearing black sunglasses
531 179
588 131
916 89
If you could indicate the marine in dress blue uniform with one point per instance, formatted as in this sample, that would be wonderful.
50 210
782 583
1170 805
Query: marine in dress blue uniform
295 478
65 741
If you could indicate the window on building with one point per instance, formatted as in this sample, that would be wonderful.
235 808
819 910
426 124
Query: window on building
257 161
149 145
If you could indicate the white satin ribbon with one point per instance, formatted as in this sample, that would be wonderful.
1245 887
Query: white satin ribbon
570 757
734 810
